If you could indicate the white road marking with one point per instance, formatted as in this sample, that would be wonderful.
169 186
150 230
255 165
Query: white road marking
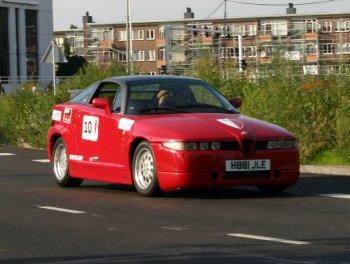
61 209
42 160
175 228
7 154
336 195
270 239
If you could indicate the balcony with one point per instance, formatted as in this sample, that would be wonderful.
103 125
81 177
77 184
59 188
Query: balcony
160 42
310 36
265 37
311 58
265 59
105 44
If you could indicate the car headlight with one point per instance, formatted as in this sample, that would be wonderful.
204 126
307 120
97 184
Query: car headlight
175 145
180 145
281 144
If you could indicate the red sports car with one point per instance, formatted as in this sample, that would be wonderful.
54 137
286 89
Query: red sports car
166 133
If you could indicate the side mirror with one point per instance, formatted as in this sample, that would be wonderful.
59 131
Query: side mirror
102 103
236 102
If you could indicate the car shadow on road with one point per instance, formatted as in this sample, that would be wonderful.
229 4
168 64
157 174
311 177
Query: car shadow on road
308 185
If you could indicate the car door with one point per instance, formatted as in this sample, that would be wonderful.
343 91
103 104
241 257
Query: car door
98 137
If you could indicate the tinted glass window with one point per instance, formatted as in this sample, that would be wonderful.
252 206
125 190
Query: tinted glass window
84 96
174 95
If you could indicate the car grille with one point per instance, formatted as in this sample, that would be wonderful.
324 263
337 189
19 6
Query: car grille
233 145
247 175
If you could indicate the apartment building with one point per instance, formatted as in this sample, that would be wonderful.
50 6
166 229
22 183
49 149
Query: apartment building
319 43
26 29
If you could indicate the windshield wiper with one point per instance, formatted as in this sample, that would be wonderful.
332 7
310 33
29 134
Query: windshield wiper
207 106
159 110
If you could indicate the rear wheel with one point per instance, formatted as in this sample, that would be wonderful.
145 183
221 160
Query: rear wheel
144 170
61 167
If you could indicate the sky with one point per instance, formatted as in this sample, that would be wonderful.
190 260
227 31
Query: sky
70 12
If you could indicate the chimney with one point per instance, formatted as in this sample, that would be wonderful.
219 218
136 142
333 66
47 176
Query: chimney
87 18
291 10
189 14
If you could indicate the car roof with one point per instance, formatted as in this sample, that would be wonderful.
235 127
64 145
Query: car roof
126 79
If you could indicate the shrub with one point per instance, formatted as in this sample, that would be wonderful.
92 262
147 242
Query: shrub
26 117
313 108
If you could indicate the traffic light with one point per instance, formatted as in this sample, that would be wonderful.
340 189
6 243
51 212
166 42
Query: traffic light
207 33
216 34
243 64
195 33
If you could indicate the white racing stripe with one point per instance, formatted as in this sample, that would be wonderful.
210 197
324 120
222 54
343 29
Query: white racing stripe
336 195
7 154
60 209
42 160
270 239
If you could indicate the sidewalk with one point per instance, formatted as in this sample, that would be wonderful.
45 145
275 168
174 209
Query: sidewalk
326 169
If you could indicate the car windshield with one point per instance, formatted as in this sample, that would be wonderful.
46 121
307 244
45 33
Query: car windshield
175 96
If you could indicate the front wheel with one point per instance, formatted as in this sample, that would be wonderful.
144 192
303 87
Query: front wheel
144 170
61 167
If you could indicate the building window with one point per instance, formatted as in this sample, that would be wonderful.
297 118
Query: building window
104 34
150 34
251 30
138 55
121 57
237 29
310 49
138 35
326 26
327 48
343 48
342 26
162 33
31 19
250 51
228 52
161 54
266 51
266 27
310 26
151 55
4 45
276 27
122 35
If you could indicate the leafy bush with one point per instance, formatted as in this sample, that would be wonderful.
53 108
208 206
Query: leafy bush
26 117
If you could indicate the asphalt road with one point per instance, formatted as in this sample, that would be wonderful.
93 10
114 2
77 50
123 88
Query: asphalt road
108 223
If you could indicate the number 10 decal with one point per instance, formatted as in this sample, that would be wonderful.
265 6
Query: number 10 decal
90 128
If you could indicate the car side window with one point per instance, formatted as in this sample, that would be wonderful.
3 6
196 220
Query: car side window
84 96
116 107
108 91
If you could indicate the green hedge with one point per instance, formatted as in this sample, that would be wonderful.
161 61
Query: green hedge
25 117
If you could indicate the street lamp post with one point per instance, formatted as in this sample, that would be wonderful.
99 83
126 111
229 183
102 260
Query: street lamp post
129 39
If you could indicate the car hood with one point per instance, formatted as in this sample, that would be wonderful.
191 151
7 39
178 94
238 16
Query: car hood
201 126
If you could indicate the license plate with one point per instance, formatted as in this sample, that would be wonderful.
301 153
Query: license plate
248 165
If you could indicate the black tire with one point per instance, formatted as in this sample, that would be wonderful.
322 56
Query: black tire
61 166
144 170
273 189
